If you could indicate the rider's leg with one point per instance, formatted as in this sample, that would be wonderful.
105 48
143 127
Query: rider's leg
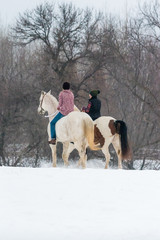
52 127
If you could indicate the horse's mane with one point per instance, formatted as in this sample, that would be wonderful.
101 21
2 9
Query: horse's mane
53 99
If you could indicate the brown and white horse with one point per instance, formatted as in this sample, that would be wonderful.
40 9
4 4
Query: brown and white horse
109 130
76 127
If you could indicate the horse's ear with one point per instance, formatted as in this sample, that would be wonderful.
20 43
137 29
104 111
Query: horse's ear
49 92
42 92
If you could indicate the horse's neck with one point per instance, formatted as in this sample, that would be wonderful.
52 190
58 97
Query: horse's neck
52 107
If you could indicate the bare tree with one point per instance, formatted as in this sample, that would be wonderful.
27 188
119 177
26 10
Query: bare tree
17 103
53 44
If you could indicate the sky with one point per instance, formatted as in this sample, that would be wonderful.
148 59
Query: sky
74 204
10 9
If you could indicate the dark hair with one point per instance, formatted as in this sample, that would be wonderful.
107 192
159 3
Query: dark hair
66 85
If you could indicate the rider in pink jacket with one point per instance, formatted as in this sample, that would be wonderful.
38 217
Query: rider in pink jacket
66 105
66 102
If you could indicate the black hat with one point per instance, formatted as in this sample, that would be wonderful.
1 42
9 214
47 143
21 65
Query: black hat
66 85
94 93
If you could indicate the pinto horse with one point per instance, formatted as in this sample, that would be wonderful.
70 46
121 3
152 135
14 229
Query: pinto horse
109 130
76 127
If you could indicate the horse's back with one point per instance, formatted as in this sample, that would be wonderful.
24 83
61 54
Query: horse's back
103 125
71 127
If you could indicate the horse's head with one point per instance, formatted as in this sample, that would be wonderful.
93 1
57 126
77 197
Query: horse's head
42 103
47 103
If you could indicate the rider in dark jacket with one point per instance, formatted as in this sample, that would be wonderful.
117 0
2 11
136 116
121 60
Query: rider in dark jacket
94 105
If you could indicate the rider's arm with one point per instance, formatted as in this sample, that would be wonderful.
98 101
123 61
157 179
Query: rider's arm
60 101
87 109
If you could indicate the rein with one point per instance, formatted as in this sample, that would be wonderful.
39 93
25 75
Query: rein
47 116
55 113
42 101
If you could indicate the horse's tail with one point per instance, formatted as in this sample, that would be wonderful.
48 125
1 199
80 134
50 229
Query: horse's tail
89 133
121 129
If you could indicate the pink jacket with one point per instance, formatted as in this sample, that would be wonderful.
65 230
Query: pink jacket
66 102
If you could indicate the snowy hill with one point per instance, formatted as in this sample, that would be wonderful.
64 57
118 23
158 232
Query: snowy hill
75 204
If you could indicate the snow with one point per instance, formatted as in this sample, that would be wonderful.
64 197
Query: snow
73 204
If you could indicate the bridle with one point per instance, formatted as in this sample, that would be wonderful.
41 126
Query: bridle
42 110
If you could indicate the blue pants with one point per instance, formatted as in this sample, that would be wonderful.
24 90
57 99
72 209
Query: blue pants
53 124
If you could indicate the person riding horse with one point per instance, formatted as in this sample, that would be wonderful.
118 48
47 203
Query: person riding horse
94 105
66 105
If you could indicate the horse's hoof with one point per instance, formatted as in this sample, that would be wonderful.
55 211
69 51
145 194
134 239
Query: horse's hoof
79 164
66 164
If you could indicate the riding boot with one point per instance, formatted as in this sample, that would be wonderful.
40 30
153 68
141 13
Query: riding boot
52 141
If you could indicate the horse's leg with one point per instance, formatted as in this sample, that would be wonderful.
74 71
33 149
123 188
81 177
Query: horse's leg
82 153
78 149
54 155
67 149
84 157
79 162
65 153
117 147
105 151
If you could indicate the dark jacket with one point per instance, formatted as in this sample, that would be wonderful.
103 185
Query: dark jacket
94 108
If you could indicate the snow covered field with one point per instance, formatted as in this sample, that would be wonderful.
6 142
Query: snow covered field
74 204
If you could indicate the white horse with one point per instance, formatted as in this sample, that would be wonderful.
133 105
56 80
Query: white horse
76 127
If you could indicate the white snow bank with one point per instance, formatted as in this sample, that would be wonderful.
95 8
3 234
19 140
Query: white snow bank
76 204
